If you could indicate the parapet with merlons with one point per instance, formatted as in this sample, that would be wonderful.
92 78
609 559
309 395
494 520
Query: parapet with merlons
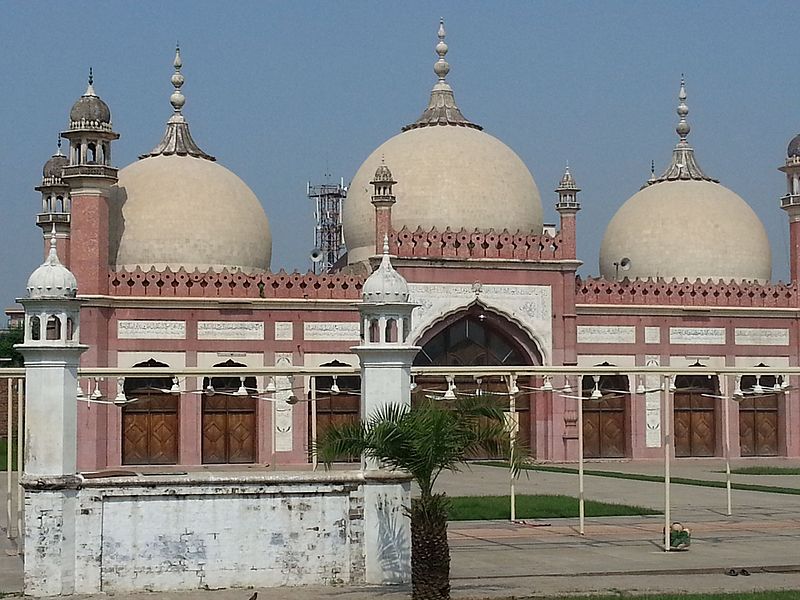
475 244
685 293
227 284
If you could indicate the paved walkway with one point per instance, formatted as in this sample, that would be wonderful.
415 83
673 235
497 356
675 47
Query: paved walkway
503 560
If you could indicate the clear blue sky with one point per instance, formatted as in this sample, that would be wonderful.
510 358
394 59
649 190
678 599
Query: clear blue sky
281 93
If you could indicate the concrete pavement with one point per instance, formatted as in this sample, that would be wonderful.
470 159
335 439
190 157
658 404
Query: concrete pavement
501 560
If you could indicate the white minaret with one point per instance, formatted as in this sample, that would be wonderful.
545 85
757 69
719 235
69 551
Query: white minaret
52 354
386 357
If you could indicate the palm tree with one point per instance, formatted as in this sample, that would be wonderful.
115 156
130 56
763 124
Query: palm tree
431 437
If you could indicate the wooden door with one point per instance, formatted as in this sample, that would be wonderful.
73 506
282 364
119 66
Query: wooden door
335 410
150 430
694 424
229 429
758 426
604 428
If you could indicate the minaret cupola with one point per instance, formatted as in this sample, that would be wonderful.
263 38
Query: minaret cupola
55 202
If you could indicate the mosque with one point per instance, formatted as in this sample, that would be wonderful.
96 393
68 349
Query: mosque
685 272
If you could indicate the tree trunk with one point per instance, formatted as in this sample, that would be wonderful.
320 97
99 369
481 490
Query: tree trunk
430 552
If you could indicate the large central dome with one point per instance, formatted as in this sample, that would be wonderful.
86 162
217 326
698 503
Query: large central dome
177 208
449 173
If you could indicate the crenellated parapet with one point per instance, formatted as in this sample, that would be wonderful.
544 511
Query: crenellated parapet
226 284
476 244
685 293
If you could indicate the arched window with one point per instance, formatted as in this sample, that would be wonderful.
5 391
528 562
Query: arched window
391 330
374 331
229 418
150 426
70 328
53 328
35 328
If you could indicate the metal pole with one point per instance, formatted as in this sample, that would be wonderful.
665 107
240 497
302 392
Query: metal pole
726 415
20 445
513 433
9 455
667 443
314 460
581 507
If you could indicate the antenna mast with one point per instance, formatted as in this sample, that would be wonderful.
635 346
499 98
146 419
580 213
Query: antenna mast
328 235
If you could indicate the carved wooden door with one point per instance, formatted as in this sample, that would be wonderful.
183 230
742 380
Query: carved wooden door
335 410
758 426
604 428
150 430
229 429
694 424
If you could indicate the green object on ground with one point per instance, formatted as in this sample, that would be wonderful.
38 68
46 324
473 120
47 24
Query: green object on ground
765 471
477 508
751 487
4 455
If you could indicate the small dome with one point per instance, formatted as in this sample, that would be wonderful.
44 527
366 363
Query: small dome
54 166
686 229
382 173
385 285
52 279
793 151
90 109
181 211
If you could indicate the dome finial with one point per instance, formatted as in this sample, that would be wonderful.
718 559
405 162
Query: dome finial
52 256
385 244
683 166
90 88
442 108
177 138
58 145
683 127
177 99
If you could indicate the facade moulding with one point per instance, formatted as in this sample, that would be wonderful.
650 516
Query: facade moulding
658 292
225 284
166 302
686 312
476 244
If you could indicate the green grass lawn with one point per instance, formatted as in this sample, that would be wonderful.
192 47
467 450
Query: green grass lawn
786 595
766 471
752 487
478 508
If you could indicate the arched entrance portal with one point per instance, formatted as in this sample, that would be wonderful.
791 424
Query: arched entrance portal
695 415
478 338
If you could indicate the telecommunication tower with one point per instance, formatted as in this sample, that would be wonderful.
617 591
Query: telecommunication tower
328 235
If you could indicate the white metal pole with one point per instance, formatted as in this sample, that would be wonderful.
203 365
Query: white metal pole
581 507
9 455
20 445
314 460
667 419
726 416
513 433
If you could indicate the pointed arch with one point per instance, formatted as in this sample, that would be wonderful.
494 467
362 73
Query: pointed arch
229 421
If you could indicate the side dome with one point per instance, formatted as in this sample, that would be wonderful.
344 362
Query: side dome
685 225
54 166
181 211
177 208
686 229
446 177
449 173
52 280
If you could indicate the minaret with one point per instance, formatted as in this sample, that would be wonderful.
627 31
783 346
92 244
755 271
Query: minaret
382 199
386 355
90 176
55 204
52 353
568 207
791 203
